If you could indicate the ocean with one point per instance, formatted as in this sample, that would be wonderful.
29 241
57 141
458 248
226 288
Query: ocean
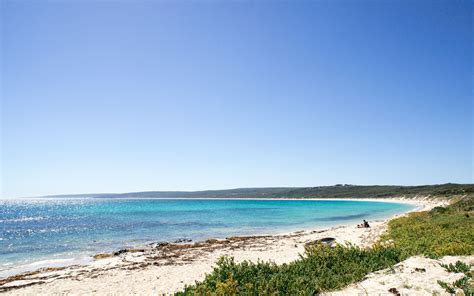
50 232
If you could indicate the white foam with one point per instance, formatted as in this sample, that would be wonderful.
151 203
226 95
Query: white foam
7 269
51 262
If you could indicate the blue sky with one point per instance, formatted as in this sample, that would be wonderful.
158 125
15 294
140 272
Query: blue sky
118 96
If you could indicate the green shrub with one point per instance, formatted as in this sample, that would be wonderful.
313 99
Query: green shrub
465 283
435 233
458 267
322 268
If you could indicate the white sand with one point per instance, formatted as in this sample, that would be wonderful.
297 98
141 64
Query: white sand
414 276
166 269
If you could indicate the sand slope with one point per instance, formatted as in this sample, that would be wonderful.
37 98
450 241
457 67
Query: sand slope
414 276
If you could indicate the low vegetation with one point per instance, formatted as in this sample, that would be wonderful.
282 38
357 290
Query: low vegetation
458 267
465 283
442 231
321 268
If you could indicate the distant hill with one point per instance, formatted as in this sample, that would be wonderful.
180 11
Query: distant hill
336 191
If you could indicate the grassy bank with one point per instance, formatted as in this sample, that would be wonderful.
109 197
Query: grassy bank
442 231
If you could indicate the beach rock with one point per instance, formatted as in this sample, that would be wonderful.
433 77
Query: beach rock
122 251
116 253
394 291
182 240
102 255
158 245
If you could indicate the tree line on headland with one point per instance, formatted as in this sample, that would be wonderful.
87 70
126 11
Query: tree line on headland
448 190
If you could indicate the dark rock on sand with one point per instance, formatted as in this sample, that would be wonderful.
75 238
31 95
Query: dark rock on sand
182 240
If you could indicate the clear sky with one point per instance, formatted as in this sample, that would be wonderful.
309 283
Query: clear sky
118 96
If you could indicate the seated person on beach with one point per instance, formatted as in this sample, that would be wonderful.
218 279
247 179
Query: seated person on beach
364 224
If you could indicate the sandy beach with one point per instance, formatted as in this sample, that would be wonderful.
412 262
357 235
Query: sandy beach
165 268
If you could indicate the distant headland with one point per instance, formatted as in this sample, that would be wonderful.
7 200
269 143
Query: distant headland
335 191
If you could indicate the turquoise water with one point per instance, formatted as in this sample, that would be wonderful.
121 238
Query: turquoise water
35 233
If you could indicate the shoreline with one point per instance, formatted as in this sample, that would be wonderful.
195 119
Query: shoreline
398 199
82 258
197 258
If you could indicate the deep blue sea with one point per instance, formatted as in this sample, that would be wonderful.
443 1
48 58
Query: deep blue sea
47 232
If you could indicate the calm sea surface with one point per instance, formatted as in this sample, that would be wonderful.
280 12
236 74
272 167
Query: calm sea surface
47 232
